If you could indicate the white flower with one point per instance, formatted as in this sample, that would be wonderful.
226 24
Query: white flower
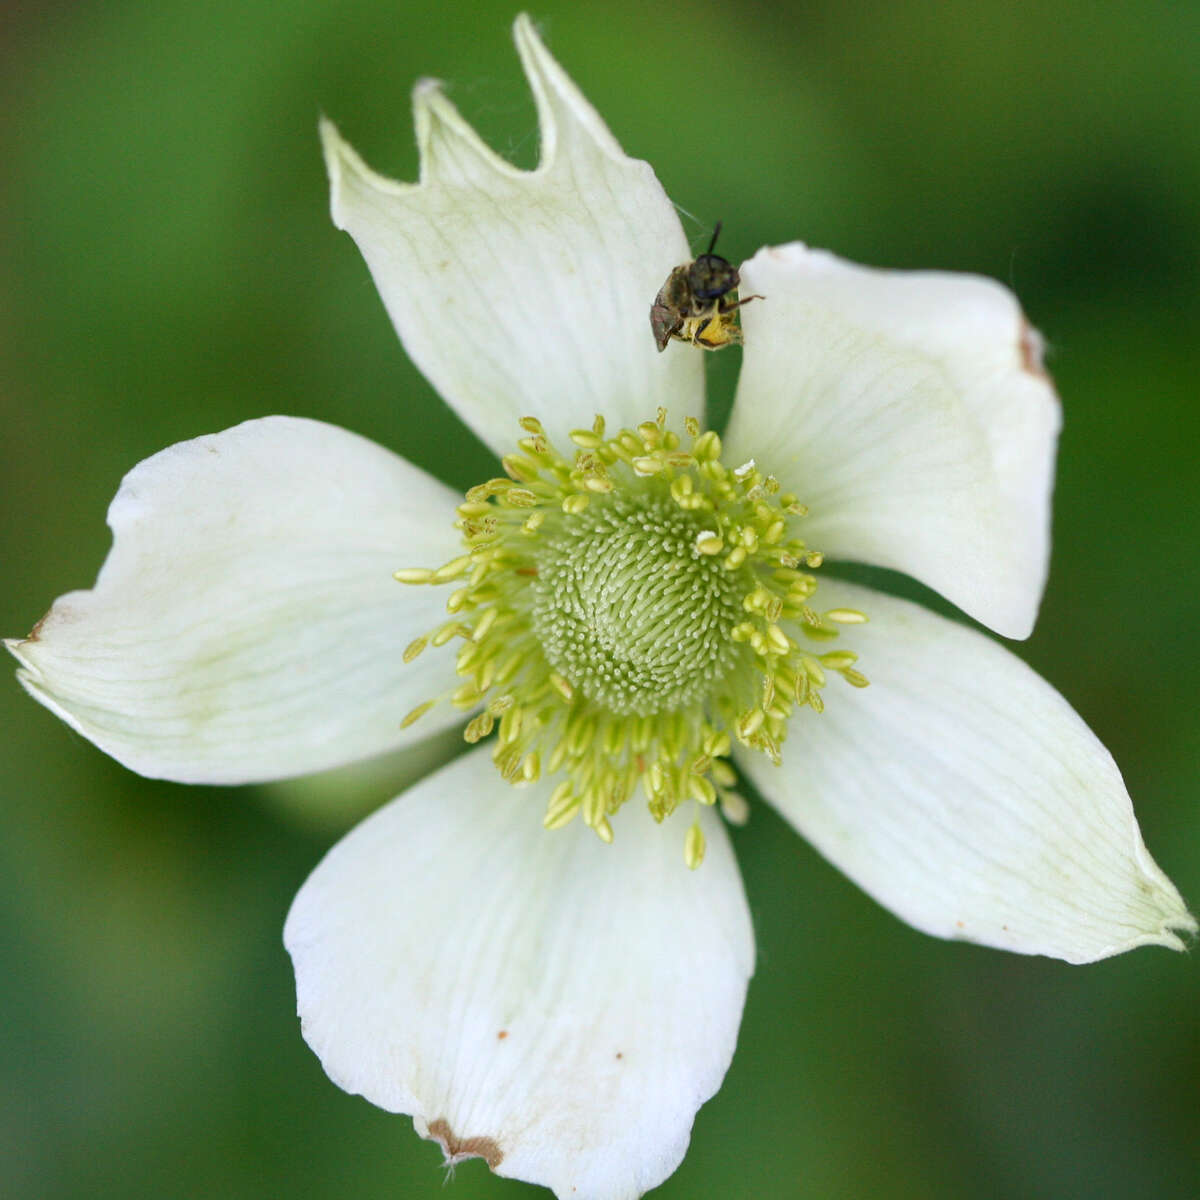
555 1005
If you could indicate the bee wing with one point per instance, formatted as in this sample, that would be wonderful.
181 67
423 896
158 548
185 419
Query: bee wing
664 322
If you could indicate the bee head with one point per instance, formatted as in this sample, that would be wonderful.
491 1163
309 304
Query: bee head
711 277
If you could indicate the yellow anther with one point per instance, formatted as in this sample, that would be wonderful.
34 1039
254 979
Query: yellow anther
520 469
735 807
845 616
693 846
717 743
562 807
778 639
813 670
449 631
414 648
451 570
723 774
580 736
508 668
510 726
484 623
593 808
413 575
479 727
417 713
750 723
838 660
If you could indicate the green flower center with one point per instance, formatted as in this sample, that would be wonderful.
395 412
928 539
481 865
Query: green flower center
627 609
626 613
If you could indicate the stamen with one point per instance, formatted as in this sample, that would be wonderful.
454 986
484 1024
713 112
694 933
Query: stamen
626 612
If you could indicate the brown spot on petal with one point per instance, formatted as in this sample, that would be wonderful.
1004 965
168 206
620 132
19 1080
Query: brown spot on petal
1031 346
502 1035
457 1149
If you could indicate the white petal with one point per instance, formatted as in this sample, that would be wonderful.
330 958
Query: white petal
245 624
964 793
554 1005
911 413
524 293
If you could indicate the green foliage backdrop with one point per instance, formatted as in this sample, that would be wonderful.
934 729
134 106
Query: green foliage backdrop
168 269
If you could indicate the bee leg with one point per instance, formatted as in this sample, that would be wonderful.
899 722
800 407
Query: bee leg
729 307
699 330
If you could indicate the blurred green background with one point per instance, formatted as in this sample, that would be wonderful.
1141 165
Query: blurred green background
168 269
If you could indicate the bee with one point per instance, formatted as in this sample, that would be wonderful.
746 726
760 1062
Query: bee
696 302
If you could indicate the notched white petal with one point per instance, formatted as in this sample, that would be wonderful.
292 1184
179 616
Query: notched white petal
556 1006
913 411
245 625
964 793
523 293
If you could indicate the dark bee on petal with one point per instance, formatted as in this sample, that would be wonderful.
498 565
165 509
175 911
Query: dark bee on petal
697 302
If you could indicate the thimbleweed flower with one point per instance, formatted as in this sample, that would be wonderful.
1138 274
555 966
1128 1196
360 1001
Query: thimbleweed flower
515 952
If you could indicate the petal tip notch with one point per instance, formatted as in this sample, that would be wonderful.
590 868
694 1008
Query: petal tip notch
564 113
450 150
